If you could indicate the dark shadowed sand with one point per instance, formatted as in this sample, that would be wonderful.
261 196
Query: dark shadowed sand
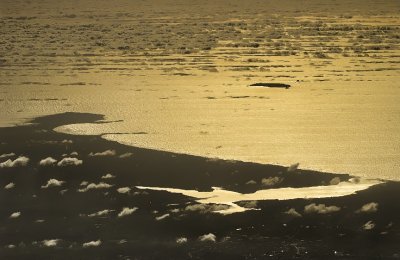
92 209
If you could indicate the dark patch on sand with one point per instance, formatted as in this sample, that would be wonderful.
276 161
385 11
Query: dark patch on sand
270 85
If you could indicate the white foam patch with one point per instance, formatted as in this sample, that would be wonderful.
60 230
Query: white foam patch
47 161
230 198
94 186
20 161
11 185
126 211
15 214
69 161
92 244
50 242
5 155
105 153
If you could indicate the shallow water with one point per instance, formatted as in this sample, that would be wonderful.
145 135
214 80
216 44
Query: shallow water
352 129
230 198
343 114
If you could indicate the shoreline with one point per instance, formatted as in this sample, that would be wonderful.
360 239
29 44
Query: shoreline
51 122
101 120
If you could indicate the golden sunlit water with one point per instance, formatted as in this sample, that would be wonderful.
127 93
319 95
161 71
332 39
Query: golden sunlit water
342 113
